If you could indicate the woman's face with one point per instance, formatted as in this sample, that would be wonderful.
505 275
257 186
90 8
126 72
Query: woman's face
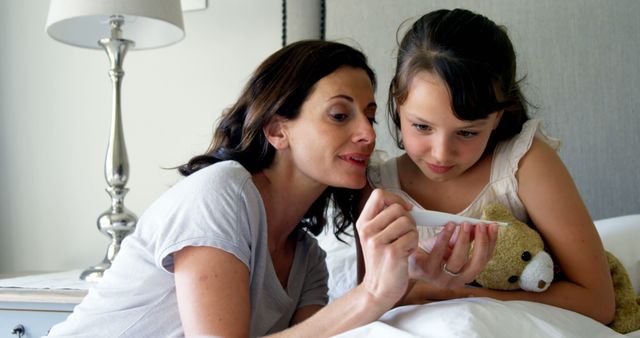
440 144
332 138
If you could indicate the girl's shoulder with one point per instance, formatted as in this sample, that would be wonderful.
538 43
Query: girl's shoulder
539 156
382 171
509 153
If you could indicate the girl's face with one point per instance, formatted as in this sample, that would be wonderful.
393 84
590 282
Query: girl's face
439 143
332 138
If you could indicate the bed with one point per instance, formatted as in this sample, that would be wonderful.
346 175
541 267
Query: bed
485 317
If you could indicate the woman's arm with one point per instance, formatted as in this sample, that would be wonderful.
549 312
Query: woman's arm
212 288
213 285
449 247
360 270
388 236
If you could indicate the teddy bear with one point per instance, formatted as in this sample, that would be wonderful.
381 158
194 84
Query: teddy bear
520 261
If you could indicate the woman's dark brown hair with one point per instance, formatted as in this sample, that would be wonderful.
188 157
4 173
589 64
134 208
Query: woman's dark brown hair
279 86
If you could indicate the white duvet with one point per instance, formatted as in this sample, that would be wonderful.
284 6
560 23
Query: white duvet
485 317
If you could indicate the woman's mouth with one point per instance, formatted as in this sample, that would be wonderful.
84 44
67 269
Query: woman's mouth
358 160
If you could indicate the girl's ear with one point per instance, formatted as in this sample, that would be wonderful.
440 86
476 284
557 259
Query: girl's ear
498 117
275 132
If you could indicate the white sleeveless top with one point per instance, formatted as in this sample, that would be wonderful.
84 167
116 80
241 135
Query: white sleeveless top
501 188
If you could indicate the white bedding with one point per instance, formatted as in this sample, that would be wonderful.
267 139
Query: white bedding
484 317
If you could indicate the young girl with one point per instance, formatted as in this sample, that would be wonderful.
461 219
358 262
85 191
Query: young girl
462 120
228 252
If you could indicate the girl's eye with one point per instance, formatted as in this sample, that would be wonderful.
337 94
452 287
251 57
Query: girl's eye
421 127
467 134
372 120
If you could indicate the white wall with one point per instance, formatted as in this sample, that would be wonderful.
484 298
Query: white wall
55 104
583 72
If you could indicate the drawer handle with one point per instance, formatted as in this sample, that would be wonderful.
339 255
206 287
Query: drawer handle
18 330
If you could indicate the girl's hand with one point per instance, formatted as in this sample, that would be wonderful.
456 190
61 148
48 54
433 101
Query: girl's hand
388 236
445 259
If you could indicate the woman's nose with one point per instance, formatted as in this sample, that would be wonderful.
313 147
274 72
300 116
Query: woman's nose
365 133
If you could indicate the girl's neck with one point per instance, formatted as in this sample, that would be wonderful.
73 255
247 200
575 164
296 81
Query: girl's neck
452 196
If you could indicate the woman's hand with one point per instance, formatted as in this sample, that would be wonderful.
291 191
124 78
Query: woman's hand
388 236
444 260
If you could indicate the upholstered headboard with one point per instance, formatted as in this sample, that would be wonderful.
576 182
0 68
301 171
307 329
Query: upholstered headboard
582 71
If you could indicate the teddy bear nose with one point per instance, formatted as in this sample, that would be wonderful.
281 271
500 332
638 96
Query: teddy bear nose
538 273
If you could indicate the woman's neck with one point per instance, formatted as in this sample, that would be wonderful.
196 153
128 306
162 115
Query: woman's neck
287 198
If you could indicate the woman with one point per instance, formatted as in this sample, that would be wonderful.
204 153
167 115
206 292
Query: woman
228 252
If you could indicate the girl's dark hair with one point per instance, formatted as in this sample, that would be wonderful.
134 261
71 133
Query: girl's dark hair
476 60
279 86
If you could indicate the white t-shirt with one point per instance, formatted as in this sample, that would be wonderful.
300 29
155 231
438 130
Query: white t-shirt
218 206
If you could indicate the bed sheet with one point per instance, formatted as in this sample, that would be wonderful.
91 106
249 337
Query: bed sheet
484 317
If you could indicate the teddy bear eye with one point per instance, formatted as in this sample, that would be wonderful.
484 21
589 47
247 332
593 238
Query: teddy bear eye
526 256
513 279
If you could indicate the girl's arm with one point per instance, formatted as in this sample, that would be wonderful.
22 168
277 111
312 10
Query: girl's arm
213 286
556 208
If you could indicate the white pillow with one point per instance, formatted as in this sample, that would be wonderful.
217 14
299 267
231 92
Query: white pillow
621 236
482 317
341 263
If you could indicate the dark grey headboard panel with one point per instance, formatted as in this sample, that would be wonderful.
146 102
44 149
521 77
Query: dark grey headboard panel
582 61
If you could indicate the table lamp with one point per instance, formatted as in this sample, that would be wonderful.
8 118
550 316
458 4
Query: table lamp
115 26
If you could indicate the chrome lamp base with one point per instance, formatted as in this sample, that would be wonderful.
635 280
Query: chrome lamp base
117 222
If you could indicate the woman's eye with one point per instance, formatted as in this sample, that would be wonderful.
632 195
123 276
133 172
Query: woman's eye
372 120
467 134
339 116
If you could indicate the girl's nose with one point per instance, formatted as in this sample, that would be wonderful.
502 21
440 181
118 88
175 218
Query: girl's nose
441 148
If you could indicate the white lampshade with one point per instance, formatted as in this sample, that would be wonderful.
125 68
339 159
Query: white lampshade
149 23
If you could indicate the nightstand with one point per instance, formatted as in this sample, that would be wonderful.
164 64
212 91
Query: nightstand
31 305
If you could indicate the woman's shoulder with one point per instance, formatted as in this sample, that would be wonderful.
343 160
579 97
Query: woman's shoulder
310 247
227 176
309 240
230 170
220 183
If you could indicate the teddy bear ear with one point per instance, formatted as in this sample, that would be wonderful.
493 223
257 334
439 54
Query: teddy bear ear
496 212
